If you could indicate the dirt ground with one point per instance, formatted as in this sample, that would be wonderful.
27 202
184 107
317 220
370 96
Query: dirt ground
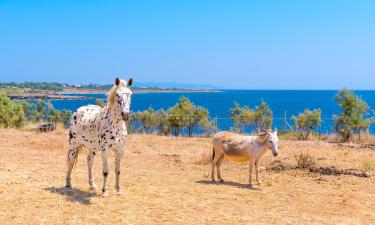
165 181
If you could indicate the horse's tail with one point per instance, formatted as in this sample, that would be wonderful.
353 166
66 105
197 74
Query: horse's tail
75 157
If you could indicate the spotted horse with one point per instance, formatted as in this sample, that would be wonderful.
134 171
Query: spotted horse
101 129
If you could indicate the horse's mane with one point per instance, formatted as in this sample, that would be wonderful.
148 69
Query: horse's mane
111 94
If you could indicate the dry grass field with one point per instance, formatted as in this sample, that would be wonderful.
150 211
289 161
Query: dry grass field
165 181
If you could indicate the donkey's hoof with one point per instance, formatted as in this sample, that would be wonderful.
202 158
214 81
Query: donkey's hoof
221 181
92 188
105 194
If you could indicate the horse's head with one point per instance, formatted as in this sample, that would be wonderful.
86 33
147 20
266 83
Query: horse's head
120 97
273 141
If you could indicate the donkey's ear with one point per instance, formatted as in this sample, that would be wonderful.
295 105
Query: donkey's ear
130 82
117 81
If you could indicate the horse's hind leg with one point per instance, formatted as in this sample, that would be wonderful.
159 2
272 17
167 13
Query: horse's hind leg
90 162
70 163
218 164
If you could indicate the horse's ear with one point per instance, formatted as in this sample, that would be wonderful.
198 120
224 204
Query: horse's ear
130 82
117 81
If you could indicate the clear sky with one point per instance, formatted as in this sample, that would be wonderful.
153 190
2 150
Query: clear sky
249 44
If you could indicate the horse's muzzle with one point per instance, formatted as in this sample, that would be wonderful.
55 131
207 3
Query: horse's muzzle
125 116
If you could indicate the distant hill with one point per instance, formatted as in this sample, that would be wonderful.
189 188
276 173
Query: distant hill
53 86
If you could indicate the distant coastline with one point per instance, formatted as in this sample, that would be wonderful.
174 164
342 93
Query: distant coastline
56 91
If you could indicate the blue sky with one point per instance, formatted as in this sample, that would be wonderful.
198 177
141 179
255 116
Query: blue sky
265 44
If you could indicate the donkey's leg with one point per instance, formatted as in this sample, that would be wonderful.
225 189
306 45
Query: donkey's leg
119 154
90 162
218 165
251 165
214 161
70 163
105 172
257 171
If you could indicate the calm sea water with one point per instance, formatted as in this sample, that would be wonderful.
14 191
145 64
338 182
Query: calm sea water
219 103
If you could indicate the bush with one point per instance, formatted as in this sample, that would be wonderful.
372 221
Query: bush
306 122
368 165
11 113
305 161
352 118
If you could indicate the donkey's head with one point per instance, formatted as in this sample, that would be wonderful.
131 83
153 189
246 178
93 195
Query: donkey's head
272 141
120 96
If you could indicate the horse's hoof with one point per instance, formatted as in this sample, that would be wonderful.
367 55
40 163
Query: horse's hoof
105 194
213 181
221 181
259 182
119 192
68 186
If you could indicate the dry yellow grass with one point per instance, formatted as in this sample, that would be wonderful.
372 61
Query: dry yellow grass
164 182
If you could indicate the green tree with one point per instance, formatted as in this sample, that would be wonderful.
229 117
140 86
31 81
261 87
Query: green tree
306 122
352 117
256 119
11 113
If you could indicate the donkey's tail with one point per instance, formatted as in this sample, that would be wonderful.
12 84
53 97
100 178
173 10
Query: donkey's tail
213 154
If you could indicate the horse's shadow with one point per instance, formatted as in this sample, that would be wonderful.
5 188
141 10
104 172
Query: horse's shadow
73 194
227 183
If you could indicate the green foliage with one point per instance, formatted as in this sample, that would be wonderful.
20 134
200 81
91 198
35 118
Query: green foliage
34 86
187 114
11 113
306 122
15 114
183 115
352 118
244 117
100 102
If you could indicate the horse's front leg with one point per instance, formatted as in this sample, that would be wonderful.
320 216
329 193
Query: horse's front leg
105 172
119 154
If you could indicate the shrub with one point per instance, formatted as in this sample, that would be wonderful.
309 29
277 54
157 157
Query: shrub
306 122
368 165
305 161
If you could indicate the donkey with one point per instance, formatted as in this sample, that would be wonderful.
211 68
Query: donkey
101 129
241 148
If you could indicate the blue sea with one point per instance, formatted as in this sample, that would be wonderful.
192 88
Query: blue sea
219 103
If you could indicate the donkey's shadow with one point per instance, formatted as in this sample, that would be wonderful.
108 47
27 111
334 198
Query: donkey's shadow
73 194
227 183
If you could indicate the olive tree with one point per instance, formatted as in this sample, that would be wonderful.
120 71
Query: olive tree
306 122
352 118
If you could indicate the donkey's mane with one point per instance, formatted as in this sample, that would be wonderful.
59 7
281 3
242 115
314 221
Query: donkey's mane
111 94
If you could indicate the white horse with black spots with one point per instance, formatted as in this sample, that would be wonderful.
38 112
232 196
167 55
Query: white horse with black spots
101 129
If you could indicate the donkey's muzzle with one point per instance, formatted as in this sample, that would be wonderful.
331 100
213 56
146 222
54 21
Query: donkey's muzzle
125 116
